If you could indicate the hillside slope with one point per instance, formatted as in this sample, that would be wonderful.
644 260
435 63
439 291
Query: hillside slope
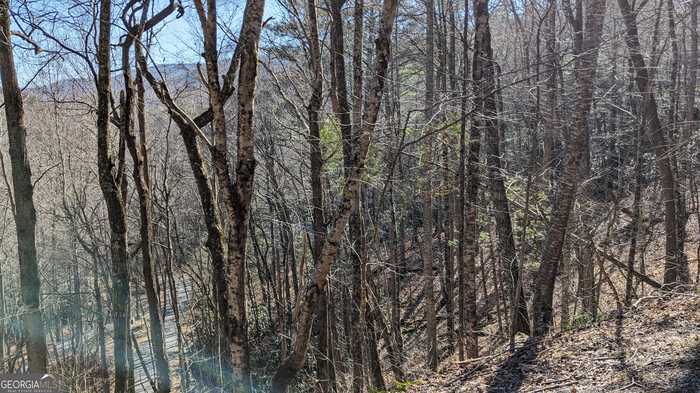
654 347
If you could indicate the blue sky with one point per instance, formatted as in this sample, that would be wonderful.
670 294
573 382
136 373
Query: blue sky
178 39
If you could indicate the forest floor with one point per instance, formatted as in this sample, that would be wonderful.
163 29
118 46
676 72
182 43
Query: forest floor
654 346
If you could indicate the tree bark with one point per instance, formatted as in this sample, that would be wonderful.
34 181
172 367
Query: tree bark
636 216
243 190
449 230
304 311
237 194
675 267
551 64
504 225
427 192
358 248
325 369
137 150
586 65
111 191
461 211
23 190
229 268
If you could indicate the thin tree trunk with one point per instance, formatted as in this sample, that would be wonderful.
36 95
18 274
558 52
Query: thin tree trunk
375 313
586 65
305 309
685 170
449 206
461 212
358 248
137 150
77 313
636 215
504 225
427 192
551 64
326 375
3 314
675 268
99 316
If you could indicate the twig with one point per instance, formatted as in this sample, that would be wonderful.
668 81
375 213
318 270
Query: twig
641 299
616 357
630 385
559 385
29 40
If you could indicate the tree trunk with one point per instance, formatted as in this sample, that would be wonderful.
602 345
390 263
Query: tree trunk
427 192
504 225
325 370
99 316
449 230
550 115
229 269
137 150
586 65
237 194
461 211
483 71
636 213
675 268
23 190
304 311
358 247
243 192
111 191
685 170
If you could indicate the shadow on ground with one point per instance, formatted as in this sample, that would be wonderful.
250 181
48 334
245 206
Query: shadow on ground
510 375
690 382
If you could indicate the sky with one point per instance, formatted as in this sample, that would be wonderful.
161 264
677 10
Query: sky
178 39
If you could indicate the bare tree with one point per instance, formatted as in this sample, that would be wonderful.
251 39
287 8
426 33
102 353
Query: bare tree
358 244
305 309
230 267
462 268
676 267
586 65
113 196
326 374
427 190
23 192
132 98
487 109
